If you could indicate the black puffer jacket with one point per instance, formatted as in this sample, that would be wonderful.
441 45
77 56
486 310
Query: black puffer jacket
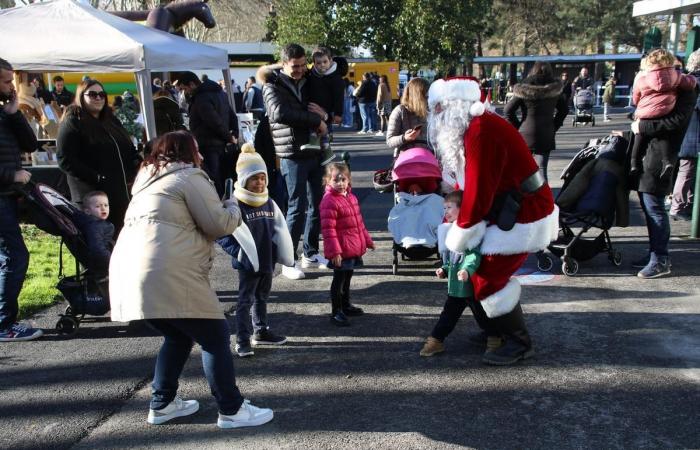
290 121
327 90
97 155
667 131
212 120
538 98
16 136
367 92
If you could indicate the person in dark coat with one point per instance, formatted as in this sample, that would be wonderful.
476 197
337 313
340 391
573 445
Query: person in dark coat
543 108
663 133
97 231
96 152
60 94
213 123
167 113
366 95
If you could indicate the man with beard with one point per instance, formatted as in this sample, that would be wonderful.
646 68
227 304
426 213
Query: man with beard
507 207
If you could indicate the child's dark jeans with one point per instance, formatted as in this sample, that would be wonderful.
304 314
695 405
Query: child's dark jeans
452 311
253 293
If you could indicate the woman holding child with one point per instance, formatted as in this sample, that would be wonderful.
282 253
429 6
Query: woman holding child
159 272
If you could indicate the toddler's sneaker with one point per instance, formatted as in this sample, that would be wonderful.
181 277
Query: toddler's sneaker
327 156
247 416
18 332
266 337
432 347
244 350
177 408
309 261
314 143
293 272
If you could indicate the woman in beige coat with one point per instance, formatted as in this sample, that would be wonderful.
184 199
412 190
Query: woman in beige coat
159 272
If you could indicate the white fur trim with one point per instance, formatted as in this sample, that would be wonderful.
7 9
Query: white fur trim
460 239
442 230
523 238
455 89
477 109
504 301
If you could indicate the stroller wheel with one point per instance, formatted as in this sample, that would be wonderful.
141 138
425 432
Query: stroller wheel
615 257
569 267
544 262
67 325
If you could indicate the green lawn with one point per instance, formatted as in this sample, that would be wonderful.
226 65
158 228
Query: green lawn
39 290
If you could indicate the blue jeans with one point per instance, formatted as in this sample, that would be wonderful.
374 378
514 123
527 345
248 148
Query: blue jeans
658 226
305 189
213 335
253 290
347 112
368 112
14 261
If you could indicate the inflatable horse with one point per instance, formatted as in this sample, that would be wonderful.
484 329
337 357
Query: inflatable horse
173 16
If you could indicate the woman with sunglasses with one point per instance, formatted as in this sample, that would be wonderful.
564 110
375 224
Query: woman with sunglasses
95 151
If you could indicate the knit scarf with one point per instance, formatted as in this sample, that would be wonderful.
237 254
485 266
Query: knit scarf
249 198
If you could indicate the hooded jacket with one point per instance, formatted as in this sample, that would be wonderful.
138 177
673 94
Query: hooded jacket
212 120
538 99
161 261
344 232
327 89
290 121
654 92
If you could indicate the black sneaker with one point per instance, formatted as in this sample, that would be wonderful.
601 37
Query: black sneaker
352 310
339 319
266 337
244 350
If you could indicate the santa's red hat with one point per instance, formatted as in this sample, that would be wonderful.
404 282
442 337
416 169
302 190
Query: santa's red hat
457 88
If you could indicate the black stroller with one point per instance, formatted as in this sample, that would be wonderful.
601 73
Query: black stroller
87 292
591 198
583 108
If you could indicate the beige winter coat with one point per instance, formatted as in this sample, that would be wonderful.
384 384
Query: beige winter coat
160 264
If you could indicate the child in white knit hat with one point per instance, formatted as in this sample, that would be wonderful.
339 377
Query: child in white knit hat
263 231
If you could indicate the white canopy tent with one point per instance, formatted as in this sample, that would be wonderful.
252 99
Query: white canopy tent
70 36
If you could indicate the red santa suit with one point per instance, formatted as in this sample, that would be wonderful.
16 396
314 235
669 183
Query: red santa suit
496 161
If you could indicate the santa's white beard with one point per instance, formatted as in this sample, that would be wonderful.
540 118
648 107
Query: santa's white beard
446 133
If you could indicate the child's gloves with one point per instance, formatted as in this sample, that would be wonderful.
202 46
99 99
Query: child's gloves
440 273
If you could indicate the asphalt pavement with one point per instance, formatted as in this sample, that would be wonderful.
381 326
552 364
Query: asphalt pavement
617 360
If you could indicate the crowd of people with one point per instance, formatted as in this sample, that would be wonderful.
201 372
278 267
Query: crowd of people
167 207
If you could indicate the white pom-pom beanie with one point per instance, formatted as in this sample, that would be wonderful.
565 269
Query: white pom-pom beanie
249 163
458 88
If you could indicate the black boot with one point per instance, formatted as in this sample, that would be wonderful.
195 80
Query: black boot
518 344
487 325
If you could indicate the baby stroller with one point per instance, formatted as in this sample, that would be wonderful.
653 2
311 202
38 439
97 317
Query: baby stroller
418 209
593 197
583 108
87 292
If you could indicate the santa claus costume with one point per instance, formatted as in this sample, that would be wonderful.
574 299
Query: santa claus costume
507 208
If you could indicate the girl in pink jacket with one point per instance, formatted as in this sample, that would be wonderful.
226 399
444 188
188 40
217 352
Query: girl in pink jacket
654 93
345 239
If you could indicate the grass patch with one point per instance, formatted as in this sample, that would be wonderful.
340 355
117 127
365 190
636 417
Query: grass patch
39 289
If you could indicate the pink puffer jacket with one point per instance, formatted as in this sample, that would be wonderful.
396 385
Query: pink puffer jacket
654 92
342 227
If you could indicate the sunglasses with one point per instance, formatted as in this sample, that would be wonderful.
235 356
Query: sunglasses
95 95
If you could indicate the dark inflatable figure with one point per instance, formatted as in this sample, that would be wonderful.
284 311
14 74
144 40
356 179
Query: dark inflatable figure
173 16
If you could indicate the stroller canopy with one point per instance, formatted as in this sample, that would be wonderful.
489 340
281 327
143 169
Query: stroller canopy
416 163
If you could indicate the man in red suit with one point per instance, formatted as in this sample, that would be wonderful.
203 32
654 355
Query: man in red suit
507 209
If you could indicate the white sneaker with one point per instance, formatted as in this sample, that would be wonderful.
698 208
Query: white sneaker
177 408
311 261
293 272
380 133
362 132
247 416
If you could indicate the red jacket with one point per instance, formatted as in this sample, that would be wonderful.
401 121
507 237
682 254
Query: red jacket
342 227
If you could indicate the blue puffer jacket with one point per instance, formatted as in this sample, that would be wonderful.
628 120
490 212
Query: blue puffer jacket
691 142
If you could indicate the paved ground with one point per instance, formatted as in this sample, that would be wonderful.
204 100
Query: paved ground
617 365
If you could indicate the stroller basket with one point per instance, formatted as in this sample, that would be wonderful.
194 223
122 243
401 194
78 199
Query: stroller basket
85 295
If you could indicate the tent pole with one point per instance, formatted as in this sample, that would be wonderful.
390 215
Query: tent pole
143 82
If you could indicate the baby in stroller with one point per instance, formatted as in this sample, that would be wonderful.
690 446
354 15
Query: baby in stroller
97 231
414 219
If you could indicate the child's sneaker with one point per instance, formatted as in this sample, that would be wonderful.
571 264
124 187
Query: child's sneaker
266 337
327 156
432 347
177 408
314 143
18 332
244 350
247 416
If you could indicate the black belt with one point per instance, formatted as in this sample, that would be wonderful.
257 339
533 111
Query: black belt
532 183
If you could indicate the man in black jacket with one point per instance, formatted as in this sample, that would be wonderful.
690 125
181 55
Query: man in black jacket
291 123
366 96
15 136
60 94
214 124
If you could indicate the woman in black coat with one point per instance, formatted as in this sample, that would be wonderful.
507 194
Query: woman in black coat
538 97
96 152
666 132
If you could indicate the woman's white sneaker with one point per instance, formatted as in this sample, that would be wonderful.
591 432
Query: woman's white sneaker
247 416
177 408
293 272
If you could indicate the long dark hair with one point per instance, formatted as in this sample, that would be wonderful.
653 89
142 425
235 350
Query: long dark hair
105 112
176 146
541 70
